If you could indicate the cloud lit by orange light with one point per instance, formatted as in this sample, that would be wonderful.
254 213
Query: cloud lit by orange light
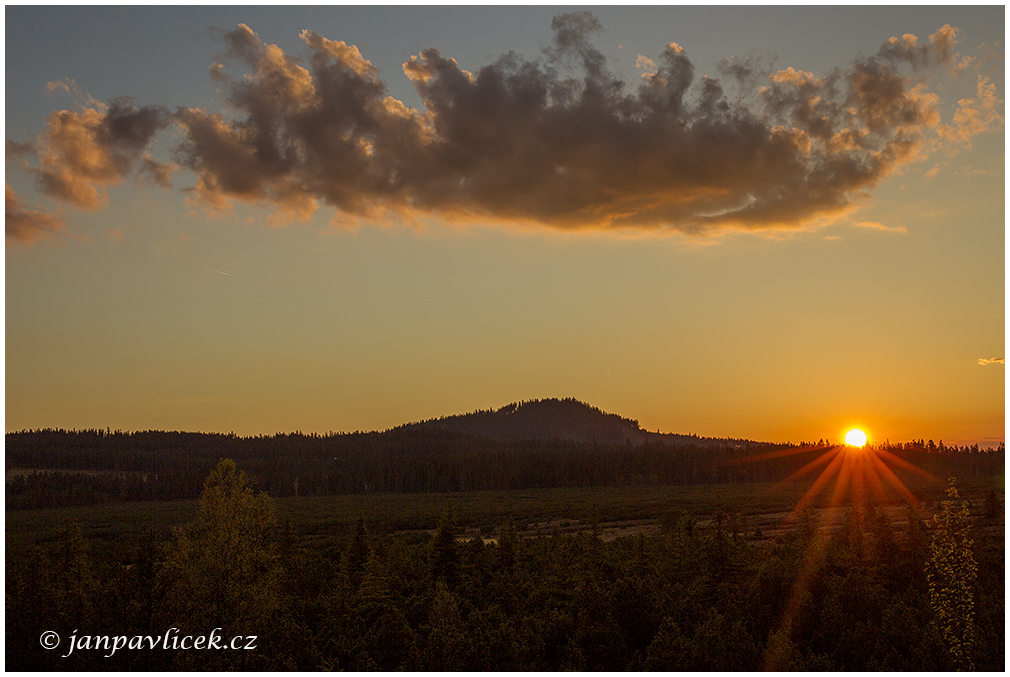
519 141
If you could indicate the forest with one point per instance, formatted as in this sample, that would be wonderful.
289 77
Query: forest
871 595
49 468
484 542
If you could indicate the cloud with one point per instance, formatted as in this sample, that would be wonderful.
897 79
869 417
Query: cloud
940 49
646 65
558 141
989 54
880 226
84 151
992 360
975 115
24 226
14 150
520 140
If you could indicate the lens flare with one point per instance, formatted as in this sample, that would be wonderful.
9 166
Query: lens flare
860 472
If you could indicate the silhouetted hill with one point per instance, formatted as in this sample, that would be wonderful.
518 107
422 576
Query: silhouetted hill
530 445
545 420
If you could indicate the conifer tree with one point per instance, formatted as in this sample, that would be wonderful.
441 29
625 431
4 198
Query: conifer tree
445 555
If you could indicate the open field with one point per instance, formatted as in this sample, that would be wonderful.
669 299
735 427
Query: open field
615 512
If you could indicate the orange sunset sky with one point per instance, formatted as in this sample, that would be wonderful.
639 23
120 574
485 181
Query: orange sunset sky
766 223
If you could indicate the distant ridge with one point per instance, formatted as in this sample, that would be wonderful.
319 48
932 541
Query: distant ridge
545 420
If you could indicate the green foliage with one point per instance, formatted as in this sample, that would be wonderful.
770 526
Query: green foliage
446 644
327 592
357 554
669 650
952 574
445 552
992 506
507 542
74 582
224 567
52 589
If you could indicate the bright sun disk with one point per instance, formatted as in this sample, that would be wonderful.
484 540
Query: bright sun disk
855 438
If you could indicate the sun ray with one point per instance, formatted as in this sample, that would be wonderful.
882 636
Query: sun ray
894 481
778 453
859 479
818 485
860 471
905 465
820 460
813 557
844 475
876 485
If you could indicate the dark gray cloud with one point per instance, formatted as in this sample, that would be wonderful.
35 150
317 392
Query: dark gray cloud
559 141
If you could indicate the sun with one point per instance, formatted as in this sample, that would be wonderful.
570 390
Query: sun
855 438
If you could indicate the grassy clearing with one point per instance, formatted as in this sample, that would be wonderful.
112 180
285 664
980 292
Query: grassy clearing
114 528
111 527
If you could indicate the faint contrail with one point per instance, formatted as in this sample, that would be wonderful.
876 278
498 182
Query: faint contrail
223 273
992 360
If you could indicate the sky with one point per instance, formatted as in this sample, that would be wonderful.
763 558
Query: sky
763 223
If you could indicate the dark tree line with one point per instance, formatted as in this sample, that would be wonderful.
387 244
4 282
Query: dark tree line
862 598
58 467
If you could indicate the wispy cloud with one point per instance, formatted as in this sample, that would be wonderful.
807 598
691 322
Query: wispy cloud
992 360
558 141
876 225
975 115
25 226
